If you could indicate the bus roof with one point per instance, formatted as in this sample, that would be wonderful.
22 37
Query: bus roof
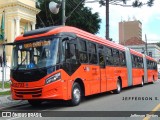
136 53
150 58
48 31
55 30
141 55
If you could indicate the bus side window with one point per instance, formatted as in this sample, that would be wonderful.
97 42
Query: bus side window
116 57
67 51
122 58
155 65
83 57
141 62
92 53
109 57
133 62
101 56
148 64
70 52
138 62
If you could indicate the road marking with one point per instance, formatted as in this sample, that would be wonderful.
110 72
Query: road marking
13 118
153 111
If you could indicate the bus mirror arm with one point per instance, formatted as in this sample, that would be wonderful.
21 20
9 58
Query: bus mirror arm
68 35
68 39
64 39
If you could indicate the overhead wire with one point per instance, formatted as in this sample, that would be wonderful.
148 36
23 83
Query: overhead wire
79 13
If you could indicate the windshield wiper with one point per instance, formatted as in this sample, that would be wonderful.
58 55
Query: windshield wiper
39 69
21 63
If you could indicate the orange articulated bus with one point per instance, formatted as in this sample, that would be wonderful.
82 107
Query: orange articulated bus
66 63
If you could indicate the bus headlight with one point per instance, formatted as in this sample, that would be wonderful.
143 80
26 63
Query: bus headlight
53 78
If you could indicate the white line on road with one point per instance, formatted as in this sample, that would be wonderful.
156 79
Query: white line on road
13 118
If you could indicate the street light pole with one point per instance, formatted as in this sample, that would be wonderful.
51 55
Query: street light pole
146 44
63 12
3 68
107 19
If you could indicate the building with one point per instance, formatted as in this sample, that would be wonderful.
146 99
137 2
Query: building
129 29
20 16
153 49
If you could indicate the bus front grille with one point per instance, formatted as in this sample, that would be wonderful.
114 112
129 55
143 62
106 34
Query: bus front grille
37 92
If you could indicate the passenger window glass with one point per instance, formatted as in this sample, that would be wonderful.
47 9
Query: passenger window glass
109 57
92 48
116 57
101 60
122 58
92 53
83 57
83 46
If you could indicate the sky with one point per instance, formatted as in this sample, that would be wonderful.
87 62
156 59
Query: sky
149 16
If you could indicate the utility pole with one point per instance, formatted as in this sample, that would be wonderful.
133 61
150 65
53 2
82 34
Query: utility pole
63 12
3 68
146 45
107 19
4 56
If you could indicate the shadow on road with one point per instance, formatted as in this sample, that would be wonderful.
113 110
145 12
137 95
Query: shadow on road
56 105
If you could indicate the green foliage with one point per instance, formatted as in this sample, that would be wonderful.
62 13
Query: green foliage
2 27
5 93
135 3
81 18
6 84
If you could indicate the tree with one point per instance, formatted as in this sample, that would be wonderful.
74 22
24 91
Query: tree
136 3
82 17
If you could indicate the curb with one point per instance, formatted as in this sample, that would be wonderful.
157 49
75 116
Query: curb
9 107
7 102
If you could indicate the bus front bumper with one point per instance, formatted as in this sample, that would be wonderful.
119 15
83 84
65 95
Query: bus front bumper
48 92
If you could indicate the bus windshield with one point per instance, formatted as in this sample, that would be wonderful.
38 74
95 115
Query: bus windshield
37 54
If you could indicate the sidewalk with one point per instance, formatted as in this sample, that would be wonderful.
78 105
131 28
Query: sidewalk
7 101
6 74
3 90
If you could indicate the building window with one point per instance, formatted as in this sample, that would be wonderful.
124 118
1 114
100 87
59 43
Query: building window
150 54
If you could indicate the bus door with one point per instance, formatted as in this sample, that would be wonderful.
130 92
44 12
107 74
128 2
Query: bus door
94 74
71 56
101 60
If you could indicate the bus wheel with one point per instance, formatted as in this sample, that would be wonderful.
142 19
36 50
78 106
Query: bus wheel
142 83
119 87
153 80
34 102
76 94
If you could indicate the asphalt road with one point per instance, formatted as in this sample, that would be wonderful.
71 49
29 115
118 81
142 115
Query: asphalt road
132 99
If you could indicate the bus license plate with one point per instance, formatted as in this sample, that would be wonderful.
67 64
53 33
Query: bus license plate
18 85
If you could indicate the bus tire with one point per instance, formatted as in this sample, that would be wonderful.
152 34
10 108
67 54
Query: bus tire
76 95
142 83
119 87
35 103
153 80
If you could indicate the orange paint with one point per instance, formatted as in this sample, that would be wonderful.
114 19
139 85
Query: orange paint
94 78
